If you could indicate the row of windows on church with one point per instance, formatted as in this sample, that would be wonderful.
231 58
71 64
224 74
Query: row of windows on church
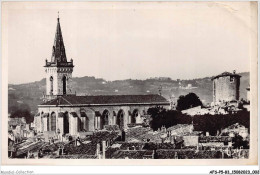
100 121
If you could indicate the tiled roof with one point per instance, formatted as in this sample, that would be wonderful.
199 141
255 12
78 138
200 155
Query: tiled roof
87 149
186 154
16 121
153 146
133 154
76 156
106 100
103 136
132 145
178 126
226 74
31 147
206 139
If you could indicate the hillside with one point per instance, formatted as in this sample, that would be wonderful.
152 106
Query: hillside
29 95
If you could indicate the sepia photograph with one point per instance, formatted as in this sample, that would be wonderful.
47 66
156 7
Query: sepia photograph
99 81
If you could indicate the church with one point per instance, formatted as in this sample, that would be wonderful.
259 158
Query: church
64 112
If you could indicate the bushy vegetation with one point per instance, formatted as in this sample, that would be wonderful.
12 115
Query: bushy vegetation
206 123
188 101
214 123
162 117
24 111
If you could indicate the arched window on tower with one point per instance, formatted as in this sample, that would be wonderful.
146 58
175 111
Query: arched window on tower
51 83
64 84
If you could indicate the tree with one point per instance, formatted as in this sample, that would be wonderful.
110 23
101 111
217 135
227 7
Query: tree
19 113
214 123
205 123
188 101
239 142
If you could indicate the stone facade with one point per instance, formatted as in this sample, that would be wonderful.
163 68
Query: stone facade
55 77
88 118
226 87
58 70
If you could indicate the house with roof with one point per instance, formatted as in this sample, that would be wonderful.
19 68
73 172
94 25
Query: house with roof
65 112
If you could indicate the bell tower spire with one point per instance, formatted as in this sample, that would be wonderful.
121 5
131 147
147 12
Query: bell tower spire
58 70
58 49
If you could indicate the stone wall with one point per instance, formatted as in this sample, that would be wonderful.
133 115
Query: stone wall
57 73
226 89
89 118
190 140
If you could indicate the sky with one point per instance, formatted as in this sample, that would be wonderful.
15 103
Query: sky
135 40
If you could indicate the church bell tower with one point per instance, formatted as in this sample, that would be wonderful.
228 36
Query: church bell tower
58 70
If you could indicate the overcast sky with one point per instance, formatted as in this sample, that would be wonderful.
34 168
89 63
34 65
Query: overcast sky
130 40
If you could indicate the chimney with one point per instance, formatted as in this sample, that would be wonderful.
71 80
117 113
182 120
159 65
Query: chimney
28 154
98 150
123 135
172 140
104 149
176 155
162 140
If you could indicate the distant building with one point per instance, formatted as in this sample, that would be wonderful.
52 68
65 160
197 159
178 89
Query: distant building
226 87
196 111
235 129
248 93
179 129
18 129
13 122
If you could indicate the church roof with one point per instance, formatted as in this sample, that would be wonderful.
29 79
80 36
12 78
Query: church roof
73 100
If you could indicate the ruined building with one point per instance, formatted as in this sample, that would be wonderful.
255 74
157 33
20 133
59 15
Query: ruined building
226 87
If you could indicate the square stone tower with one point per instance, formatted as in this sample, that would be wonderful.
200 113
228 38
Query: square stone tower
226 87
58 70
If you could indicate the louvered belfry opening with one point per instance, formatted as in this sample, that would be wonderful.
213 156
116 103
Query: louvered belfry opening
64 83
